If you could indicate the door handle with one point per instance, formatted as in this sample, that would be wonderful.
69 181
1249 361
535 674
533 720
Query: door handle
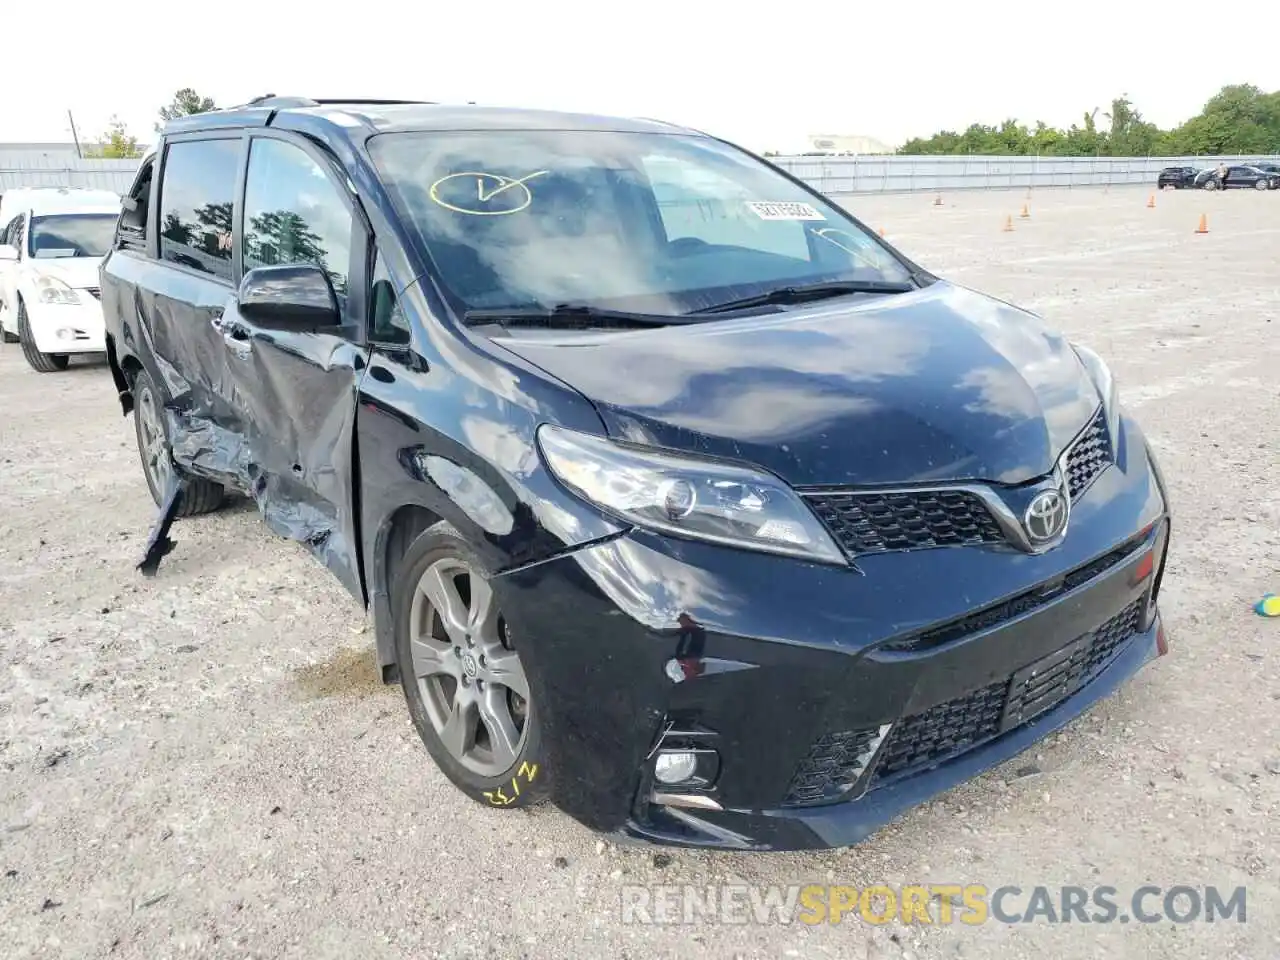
234 335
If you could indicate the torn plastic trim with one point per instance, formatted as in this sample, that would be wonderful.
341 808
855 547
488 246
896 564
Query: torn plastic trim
159 544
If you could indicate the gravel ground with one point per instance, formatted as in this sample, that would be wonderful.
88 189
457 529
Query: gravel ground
204 764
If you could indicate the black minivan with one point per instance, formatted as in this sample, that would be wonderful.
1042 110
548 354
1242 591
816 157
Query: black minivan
677 495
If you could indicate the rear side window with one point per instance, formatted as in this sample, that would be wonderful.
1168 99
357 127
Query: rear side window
294 214
197 196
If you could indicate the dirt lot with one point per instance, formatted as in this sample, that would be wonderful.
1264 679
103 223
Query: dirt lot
203 764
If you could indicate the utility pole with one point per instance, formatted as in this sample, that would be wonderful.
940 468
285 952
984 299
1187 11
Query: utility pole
75 136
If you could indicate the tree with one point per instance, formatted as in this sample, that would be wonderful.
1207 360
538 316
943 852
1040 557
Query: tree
185 102
116 144
1238 119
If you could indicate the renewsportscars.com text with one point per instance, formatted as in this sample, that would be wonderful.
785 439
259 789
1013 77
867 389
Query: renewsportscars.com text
930 904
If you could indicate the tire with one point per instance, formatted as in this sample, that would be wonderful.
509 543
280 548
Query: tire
198 495
1260 185
458 691
1211 184
40 362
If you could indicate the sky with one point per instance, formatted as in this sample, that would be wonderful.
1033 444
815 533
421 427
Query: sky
762 73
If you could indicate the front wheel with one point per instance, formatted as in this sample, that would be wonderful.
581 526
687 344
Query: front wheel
198 495
1211 184
1260 185
39 361
463 679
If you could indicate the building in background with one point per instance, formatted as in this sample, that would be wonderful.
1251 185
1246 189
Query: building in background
60 165
844 144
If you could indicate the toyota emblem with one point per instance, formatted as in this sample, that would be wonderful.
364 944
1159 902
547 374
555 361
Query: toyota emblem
1046 516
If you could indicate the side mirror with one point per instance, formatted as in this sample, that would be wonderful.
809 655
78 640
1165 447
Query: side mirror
295 296
8 252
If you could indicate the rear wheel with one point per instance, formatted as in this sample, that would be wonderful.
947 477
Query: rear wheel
463 679
198 495
39 361
1261 185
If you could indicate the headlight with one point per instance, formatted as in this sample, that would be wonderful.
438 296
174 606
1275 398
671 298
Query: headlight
53 290
1100 373
687 497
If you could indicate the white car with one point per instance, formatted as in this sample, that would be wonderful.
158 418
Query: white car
52 241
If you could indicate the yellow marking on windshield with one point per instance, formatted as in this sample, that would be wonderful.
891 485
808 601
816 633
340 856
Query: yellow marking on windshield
498 184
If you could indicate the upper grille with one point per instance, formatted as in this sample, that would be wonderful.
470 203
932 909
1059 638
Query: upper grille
1090 455
95 291
928 738
875 522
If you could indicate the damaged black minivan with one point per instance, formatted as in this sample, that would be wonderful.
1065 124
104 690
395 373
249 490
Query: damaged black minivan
678 496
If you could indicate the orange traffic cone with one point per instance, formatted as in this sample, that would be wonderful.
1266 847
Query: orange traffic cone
1025 212
938 201
1152 202
1204 224
1008 223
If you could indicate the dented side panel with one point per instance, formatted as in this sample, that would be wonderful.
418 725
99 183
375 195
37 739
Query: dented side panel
297 396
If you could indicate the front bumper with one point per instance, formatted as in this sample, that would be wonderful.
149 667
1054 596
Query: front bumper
68 328
790 671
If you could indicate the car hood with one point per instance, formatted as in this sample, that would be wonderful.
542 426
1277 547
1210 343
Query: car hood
76 272
938 384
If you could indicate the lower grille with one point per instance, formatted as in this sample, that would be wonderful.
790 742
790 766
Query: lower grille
943 731
926 739
834 763
869 522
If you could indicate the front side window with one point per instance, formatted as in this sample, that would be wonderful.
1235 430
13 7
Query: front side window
664 223
294 214
70 235
197 196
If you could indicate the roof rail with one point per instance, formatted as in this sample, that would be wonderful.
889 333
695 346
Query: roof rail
279 102
372 101
271 100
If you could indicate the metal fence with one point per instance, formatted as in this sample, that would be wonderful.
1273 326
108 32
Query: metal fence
831 175
902 174
19 168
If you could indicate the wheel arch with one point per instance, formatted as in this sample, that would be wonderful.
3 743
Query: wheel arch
392 541
124 370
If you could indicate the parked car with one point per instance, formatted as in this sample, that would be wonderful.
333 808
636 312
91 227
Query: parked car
714 518
1176 178
1238 177
52 241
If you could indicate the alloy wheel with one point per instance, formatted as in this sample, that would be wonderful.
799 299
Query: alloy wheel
471 681
155 446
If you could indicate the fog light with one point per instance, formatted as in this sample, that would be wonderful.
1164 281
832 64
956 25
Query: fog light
66 333
675 767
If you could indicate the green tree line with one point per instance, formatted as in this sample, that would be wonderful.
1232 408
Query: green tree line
1238 119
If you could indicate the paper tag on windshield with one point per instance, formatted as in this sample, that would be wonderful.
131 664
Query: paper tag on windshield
783 210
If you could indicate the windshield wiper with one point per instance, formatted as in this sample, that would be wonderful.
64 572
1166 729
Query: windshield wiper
569 316
808 291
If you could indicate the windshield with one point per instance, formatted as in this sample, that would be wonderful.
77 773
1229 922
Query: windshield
71 235
656 222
